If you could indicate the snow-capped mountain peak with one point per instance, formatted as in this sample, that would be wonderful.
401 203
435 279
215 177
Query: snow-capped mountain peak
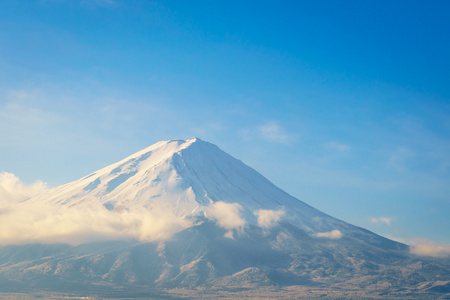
182 175
192 179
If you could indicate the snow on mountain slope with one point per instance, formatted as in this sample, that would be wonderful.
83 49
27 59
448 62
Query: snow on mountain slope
144 179
163 189
185 177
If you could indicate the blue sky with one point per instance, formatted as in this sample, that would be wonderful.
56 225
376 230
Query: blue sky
343 104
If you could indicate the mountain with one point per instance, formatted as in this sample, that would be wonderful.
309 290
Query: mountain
185 219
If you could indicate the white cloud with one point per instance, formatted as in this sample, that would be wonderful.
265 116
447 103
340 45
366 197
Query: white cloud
381 220
424 247
229 234
12 190
267 218
337 146
334 234
24 221
51 223
428 248
273 132
227 215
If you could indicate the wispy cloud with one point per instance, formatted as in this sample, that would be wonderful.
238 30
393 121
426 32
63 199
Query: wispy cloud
21 112
12 190
381 220
337 146
424 247
427 248
52 119
334 234
274 132
267 218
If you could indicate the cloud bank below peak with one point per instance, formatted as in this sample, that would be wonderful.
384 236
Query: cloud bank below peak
423 247
13 190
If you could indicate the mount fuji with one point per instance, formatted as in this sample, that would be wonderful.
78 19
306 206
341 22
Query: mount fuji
182 218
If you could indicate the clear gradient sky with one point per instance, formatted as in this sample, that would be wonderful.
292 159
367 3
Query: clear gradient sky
343 104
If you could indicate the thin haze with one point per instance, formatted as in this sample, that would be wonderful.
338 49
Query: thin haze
344 105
